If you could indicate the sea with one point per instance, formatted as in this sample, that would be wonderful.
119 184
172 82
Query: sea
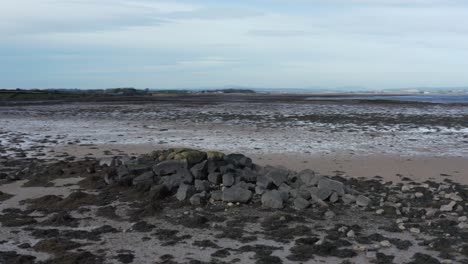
439 99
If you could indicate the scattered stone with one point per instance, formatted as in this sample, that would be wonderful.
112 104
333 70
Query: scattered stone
350 234
363 201
449 207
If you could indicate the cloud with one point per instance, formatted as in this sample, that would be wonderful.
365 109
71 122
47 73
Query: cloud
46 16
258 42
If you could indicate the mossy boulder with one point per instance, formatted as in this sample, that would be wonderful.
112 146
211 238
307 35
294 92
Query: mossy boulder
214 155
191 155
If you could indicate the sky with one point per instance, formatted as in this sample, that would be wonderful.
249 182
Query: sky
339 44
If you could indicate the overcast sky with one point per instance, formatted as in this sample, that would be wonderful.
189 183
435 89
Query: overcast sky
258 43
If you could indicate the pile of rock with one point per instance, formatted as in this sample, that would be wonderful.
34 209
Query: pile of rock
203 177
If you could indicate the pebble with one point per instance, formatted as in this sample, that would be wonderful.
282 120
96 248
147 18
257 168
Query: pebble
448 207
380 211
359 248
462 219
405 188
430 212
419 194
351 234
385 243
371 255
415 230
329 214
230 204
343 229
401 227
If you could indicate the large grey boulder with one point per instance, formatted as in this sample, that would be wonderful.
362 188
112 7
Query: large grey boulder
229 168
185 192
175 180
168 167
301 203
238 160
264 182
201 186
200 171
272 199
321 193
217 195
325 183
214 165
198 198
309 177
247 175
245 185
278 176
145 178
236 194
215 177
138 169
228 179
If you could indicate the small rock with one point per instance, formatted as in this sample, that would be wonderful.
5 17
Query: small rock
405 188
415 230
301 203
329 214
198 198
372 255
385 243
448 207
348 198
418 194
351 234
462 219
363 201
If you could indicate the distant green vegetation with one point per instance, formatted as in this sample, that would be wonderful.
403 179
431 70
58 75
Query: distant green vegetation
37 95
227 91
63 94
172 91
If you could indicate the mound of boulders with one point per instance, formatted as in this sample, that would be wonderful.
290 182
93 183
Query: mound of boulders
209 177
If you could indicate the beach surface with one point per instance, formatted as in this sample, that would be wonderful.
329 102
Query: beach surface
409 159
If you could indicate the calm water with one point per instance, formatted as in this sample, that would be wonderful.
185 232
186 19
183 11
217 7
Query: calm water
444 99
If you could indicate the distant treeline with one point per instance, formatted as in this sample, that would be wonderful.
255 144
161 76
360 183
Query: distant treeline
49 94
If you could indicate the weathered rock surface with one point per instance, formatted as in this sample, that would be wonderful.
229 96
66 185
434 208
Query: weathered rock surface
200 176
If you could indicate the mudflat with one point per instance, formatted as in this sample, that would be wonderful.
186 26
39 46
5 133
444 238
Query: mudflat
402 167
